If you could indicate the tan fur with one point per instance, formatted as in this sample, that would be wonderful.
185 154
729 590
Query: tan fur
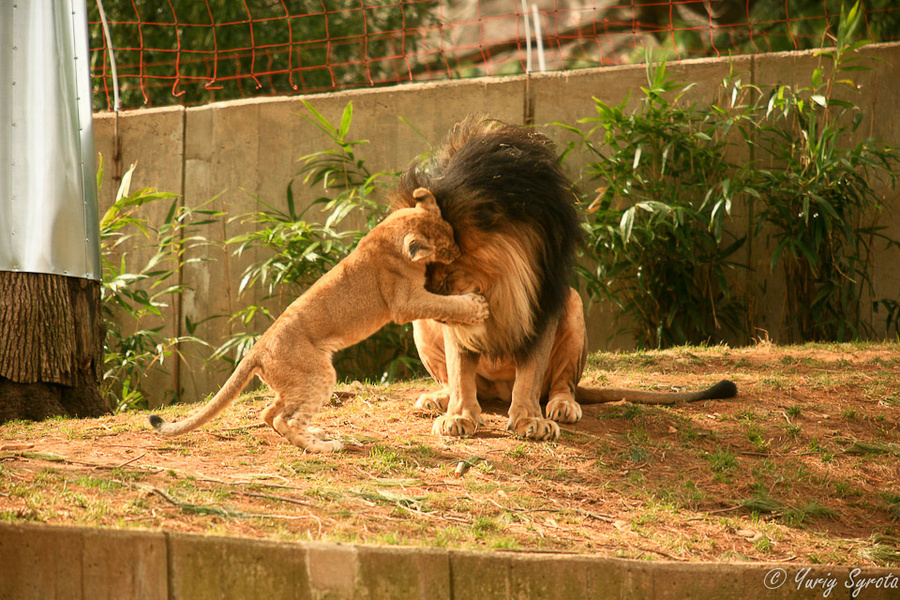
500 271
382 280
551 371
503 379
513 214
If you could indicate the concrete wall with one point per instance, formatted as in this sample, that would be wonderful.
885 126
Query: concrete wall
54 563
235 151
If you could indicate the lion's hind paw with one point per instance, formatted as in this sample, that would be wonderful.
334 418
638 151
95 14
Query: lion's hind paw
564 409
435 403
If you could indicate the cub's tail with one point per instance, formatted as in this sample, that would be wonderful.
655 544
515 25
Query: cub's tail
720 391
238 380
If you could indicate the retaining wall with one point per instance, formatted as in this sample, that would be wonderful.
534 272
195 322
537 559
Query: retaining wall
54 563
238 151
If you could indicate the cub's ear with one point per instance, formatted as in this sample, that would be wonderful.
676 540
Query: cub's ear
417 248
426 201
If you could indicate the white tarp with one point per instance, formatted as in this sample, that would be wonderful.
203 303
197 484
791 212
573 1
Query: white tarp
48 187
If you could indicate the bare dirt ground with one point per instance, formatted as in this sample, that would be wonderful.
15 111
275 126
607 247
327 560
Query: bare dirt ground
804 465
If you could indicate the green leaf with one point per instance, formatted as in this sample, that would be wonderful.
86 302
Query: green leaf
637 158
319 120
626 224
346 119
125 185
817 78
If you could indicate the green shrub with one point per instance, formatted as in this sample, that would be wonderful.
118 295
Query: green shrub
659 225
656 227
136 293
822 194
300 246
297 247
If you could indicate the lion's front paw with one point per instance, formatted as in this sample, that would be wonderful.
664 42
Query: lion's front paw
454 426
564 409
434 403
533 428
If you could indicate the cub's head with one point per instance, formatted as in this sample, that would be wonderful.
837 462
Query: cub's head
428 237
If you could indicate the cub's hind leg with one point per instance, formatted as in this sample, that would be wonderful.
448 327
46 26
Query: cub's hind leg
271 411
295 427
274 409
299 397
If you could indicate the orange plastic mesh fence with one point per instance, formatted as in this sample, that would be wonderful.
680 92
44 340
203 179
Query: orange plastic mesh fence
196 51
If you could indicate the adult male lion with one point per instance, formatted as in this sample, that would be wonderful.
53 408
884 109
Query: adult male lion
512 211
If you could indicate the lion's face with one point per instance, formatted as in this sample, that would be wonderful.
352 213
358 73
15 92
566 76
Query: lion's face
451 280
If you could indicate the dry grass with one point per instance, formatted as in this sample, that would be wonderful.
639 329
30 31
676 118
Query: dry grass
802 466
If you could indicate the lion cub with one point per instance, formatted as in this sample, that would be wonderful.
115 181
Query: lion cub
382 280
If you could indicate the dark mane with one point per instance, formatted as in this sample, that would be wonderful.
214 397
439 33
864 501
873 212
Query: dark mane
498 178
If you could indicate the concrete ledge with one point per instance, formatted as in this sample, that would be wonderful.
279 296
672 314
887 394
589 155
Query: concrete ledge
47 562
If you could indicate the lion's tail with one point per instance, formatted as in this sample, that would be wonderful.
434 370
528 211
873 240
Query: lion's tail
723 389
233 386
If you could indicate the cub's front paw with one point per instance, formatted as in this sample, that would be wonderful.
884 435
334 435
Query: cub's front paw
454 426
533 428
482 310
478 311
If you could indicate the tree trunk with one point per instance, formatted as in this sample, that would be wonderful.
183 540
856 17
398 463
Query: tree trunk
51 347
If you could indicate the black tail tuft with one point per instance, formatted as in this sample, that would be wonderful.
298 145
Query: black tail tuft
723 389
156 421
